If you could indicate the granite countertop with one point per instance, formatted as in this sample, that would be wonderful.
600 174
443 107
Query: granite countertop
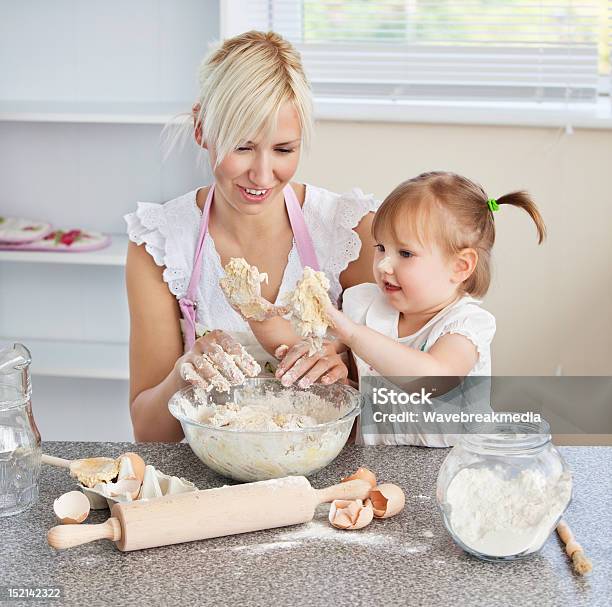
408 559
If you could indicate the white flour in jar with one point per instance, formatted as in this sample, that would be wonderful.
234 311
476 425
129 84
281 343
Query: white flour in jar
500 516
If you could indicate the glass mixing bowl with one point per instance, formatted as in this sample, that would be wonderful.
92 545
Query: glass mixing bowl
248 455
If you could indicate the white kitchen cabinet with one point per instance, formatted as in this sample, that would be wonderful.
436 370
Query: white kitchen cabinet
84 93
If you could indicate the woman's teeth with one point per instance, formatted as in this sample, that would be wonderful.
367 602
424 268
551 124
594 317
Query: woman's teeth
256 192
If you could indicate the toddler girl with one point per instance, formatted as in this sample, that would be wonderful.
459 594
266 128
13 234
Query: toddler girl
434 236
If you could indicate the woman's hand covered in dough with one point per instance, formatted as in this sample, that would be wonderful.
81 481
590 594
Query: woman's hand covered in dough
260 310
217 361
326 365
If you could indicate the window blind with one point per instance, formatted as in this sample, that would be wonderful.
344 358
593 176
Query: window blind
497 50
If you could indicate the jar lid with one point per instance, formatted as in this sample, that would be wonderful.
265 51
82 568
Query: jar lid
514 436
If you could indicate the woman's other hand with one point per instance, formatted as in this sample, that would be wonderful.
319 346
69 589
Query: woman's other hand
325 364
216 360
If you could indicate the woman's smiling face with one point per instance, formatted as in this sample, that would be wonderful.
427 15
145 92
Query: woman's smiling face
252 177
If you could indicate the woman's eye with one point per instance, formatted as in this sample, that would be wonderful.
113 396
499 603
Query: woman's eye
242 149
380 248
284 150
405 254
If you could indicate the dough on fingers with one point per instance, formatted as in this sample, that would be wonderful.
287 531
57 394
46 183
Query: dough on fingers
242 287
225 364
307 304
211 374
189 374
244 361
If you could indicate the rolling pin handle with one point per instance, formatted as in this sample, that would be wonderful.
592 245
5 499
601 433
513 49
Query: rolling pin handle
349 490
55 461
67 536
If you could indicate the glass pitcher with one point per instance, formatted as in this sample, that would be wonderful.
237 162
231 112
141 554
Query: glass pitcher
20 450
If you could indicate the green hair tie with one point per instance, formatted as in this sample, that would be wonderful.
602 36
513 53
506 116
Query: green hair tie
492 204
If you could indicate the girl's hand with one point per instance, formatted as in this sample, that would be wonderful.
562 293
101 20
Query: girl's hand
341 326
325 365
216 361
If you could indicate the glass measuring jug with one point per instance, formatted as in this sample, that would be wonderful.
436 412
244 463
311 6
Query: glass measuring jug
20 450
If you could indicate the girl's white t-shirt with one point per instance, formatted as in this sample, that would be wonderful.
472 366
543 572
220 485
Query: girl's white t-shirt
170 231
367 305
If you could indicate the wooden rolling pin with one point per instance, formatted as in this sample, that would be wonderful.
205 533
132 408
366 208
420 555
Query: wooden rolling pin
208 513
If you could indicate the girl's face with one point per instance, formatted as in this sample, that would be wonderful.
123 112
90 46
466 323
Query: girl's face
252 177
414 278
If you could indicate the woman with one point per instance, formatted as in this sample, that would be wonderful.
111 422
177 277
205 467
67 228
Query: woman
253 117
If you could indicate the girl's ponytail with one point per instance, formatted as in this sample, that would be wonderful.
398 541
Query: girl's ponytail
522 200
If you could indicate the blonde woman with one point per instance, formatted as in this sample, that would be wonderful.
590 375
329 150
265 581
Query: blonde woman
254 117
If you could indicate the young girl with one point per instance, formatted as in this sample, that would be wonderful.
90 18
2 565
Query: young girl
434 236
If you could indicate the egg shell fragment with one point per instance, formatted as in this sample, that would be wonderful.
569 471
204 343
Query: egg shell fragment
350 514
387 499
362 474
71 508
137 464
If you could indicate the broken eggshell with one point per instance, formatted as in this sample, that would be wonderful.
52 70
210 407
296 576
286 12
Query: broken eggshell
155 484
71 508
126 470
387 500
350 514
362 474
131 466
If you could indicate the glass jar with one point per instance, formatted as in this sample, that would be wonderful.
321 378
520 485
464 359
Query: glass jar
20 451
502 489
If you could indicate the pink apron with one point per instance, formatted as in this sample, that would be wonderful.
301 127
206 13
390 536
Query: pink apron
303 243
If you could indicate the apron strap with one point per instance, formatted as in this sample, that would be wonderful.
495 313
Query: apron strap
303 241
187 304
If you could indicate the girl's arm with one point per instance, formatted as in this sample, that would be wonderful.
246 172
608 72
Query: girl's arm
451 355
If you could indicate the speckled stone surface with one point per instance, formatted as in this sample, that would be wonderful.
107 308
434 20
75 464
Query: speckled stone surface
407 560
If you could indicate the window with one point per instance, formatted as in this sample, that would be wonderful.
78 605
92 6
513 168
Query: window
548 56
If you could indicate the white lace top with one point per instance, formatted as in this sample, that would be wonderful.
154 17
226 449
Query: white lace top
367 305
170 231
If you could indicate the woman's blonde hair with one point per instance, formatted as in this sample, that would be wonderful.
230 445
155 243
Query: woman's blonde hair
243 85
453 212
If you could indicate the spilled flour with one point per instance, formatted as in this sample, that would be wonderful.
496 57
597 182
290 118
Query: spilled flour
320 531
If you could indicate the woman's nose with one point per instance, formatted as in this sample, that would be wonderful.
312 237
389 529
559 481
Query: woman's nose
261 173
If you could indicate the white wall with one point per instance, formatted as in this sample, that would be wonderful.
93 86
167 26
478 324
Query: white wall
553 303
79 174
